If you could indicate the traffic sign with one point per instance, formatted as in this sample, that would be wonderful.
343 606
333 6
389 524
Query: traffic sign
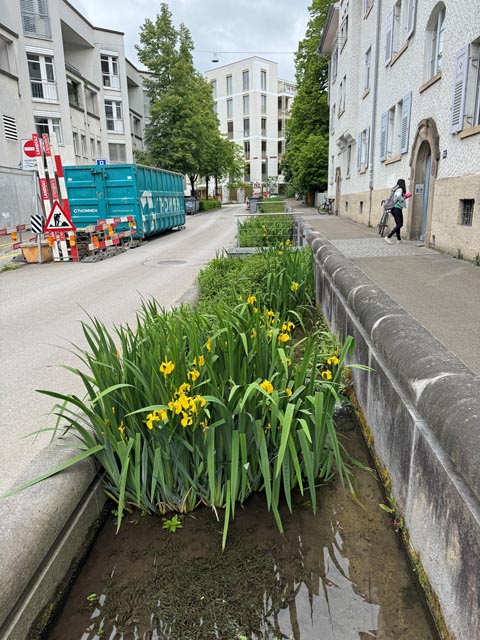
58 219
36 223
27 151
102 162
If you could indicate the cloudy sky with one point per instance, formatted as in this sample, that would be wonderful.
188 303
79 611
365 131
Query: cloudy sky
236 29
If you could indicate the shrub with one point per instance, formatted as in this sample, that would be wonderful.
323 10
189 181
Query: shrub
207 205
266 231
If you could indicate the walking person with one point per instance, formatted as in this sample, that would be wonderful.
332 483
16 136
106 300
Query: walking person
400 196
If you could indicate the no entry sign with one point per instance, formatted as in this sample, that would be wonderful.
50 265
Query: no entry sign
27 149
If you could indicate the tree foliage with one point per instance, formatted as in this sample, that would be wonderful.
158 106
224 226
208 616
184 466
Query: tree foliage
305 162
183 133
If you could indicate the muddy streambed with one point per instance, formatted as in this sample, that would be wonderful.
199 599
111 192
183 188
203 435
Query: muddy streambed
339 575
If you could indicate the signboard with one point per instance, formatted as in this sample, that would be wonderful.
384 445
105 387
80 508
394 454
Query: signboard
28 155
418 189
36 223
58 220
101 162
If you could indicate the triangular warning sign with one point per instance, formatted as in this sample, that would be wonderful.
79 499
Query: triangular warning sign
58 219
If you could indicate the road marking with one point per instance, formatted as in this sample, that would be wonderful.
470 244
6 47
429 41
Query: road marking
9 255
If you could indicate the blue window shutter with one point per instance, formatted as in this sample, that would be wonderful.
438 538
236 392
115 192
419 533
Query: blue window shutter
389 38
383 135
406 110
412 9
359 152
459 88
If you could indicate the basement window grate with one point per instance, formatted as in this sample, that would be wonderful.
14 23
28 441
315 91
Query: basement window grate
10 128
467 212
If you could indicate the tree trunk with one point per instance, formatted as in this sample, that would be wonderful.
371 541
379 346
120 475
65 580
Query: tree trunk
216 186
192 185
207 179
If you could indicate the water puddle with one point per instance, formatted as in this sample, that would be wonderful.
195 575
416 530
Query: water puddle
339 575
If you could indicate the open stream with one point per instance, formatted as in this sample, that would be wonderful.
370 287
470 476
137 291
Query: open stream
341 574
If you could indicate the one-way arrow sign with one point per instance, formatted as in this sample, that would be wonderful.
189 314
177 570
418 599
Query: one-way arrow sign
58 219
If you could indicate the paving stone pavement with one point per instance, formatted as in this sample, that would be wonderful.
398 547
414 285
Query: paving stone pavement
377 247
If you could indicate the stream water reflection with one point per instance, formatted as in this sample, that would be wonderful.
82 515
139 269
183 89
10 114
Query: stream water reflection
339 575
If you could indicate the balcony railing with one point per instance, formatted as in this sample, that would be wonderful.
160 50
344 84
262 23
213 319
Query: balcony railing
110 80
115 125
44 89
36 25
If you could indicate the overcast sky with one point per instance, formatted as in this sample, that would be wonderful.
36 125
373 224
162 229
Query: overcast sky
242 27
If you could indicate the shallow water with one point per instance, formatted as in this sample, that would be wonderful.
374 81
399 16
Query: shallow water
338 575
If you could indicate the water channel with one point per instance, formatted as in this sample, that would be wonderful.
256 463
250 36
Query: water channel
341 574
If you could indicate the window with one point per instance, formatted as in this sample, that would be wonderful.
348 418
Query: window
400 25
137 127
466 88
366 6
343 30
467 212
263 127
49 125
334 65
213 84
263 80
246 127
343 91
363 147
42 77
35 18
76 148
280 128
247 173
92 148
117 152
4 54
230 108
395 129
434 41
229 85
264 149
74 90
332 119
113 115
110 75
99 149
83 139
349 158
91 101
245 81
246 149
230 130
10 128
332 168
368 64
263 103
246 105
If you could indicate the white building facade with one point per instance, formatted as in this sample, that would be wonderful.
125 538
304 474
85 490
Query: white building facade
253 105
61 74
404 94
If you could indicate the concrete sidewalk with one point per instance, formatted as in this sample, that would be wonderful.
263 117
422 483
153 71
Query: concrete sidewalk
438 291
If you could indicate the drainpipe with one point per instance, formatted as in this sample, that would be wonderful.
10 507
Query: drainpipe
374 110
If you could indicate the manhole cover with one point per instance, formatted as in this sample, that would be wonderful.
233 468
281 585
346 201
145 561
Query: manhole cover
164 263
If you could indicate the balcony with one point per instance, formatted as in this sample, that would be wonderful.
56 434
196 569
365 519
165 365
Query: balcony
44 90
111 80
36 25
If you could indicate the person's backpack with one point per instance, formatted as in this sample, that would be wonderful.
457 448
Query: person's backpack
389 202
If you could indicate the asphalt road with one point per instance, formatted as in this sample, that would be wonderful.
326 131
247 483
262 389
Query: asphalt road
43 305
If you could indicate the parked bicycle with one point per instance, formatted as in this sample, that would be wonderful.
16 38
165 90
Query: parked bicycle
383 224
326 208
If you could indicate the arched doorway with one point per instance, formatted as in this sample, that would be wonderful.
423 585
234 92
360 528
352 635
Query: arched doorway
338 190
424 166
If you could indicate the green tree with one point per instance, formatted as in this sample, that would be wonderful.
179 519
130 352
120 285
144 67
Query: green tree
183 125
305 163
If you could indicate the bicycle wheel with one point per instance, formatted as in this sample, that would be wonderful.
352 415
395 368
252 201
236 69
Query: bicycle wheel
382 225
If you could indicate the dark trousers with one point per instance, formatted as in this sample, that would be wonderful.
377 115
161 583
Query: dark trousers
397 214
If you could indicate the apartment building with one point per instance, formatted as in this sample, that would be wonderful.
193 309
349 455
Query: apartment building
62 75
404 100
253 105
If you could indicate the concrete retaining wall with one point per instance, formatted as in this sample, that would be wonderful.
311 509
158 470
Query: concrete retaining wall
43 530
422 406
